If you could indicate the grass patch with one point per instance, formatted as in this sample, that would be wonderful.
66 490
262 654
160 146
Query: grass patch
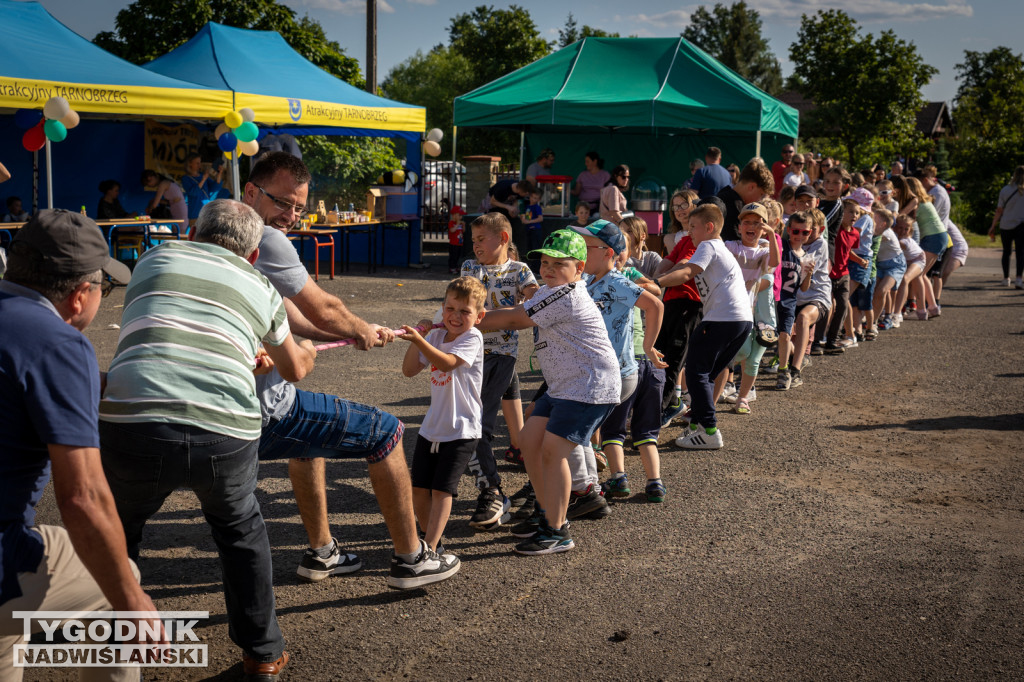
979 241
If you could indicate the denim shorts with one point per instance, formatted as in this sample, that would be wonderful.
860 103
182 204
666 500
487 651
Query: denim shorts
569 419
322 425
862 297
860 274
894 267
785 311
935 243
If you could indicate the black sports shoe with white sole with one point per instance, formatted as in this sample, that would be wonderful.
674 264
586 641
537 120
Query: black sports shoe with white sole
313 568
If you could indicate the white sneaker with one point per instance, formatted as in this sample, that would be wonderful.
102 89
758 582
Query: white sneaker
695 438
752 396
848 342
1019 284
897 320
730 392
1006 282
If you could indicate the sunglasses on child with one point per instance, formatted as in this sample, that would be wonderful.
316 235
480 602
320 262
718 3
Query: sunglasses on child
794 230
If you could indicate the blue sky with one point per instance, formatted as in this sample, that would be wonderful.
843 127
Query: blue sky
942 29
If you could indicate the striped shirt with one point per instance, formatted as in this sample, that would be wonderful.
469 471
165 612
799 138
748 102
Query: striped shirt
194 315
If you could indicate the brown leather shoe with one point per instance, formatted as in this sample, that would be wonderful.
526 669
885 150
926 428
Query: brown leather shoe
263 672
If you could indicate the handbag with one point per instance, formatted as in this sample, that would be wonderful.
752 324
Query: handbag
765 334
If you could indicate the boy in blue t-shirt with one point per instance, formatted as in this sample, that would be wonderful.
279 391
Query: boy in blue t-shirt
727 321
615 297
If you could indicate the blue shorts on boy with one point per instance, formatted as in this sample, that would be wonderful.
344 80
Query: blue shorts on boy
789 266
727 322
505 283
454 412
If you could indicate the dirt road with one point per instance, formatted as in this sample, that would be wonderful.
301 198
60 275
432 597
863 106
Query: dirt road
865 525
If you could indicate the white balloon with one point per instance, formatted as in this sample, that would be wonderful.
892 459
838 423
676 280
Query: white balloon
247 114
435 135
431 148
56 108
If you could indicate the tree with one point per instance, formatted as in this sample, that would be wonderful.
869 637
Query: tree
990 140
732 35
497 42
432 80
570 33
866 91
147 29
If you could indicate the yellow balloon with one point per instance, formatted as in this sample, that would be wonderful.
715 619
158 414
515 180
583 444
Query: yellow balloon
248 148
233 119
70 119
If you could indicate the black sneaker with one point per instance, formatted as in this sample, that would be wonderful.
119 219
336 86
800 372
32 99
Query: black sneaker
796 380
817 349
312 568
491 510
834 349
547 541
524 493
585 503
674 409
529 526
785 380
429 567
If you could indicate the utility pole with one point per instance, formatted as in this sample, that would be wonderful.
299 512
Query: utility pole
371 46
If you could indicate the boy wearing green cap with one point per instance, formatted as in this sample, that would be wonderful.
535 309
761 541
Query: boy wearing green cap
582 373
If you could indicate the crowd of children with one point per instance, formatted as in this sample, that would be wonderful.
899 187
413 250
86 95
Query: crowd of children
628 341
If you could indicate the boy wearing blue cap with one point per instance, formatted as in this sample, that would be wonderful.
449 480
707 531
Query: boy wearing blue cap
581 370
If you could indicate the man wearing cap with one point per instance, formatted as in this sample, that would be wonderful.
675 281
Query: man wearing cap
49 399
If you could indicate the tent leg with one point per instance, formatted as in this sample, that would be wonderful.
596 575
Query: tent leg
522 152
35 182
757 145
451 182
235 188
49 177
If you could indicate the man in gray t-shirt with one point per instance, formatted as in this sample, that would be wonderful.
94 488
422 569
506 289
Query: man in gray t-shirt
306 427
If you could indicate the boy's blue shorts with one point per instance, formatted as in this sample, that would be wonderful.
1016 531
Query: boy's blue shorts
572 420
859 274
785 311
861 299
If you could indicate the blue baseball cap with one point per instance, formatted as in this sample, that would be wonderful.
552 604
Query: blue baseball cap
607 232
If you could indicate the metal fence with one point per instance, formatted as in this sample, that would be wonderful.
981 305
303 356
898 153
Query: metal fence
439 178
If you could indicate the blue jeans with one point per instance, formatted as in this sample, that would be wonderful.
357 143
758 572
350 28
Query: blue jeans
145 462
323 425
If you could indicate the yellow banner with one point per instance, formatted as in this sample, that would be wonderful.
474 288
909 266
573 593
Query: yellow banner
21 93
284 111
167 146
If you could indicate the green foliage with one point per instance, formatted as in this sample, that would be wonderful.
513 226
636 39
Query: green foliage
343 167
990 142
571 32
432 80
866 90
147 29
732 35
496 42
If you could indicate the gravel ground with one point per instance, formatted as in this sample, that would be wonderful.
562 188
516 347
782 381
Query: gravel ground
865 525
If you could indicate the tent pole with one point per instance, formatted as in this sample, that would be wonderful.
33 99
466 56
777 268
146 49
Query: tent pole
49 177
522 152
451 182
35 181
235 189
757 146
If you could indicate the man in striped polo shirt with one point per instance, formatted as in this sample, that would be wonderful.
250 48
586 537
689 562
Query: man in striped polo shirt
299 425
180 408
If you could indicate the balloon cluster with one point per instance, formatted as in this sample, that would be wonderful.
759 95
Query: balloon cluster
238 132
432 147
52 123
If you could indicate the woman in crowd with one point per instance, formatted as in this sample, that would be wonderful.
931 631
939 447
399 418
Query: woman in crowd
591 181
613 196
1010 219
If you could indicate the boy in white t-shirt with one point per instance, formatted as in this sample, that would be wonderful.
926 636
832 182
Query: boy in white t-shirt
451 428
582 373
727 321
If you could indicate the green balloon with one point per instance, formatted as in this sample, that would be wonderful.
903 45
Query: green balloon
247 132
55 131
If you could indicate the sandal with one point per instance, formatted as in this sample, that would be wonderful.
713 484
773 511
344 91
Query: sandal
743 406
514 455
602 461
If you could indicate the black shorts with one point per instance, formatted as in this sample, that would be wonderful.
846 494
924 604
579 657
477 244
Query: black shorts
822 310
441 470
512 392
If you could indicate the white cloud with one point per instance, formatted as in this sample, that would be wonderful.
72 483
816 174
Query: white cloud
867 11
422 2
348 6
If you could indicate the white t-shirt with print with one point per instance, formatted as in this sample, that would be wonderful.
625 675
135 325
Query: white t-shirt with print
722 291
505 284
753 262
455 408
572 345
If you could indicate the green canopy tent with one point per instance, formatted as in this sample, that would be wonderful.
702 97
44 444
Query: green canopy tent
652 103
